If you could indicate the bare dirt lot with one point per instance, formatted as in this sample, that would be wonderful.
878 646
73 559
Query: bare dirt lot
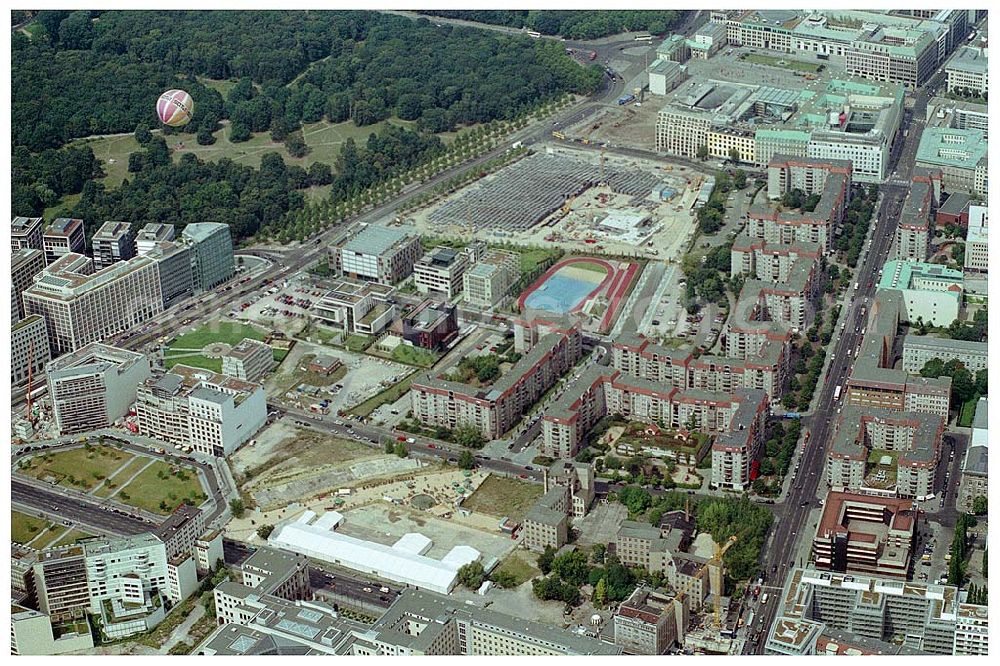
289 463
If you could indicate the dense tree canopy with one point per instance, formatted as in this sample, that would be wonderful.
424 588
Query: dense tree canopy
81 77
588 24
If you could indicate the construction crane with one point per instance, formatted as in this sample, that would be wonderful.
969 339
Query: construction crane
31 366
714 568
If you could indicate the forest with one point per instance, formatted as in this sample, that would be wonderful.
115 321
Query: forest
587 24
91 73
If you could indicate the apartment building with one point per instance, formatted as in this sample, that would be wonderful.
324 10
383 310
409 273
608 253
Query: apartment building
181 530
494 409
81 306
212 258
931 293
114 241
25 264
960 155
829 178
914 231
26 233
488 281
574 413
440 272
968 71
919 349
972 630
875 383
29 350
64 236
977 245
649 622
249 360
94 386
153 233
210 412
380 254
905 446
430 325
366 308
923 616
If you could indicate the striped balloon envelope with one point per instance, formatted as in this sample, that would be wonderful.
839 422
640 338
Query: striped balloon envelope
175 108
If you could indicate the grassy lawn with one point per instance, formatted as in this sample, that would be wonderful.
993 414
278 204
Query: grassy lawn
875 456
216 331
785 63
531 258
156 485
357 343
72 536
499 496
77 468
391 394
124 474
414 356
279 354
193 360
968 412
24 528
590 266
517 565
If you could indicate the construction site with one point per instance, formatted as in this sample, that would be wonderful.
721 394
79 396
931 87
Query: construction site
580 200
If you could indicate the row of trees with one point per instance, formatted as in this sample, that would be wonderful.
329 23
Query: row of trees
960 549
855 226
97 73
588 24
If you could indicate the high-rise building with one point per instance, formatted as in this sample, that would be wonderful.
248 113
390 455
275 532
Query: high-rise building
174 269
81 306
25 264
914 231
114 241
64 236
29 347
212 259
94 386
26 233
249 360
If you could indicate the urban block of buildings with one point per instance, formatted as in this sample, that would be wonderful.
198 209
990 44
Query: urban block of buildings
430 325
29 350
25 233
926 618
850 120
977 246
379 254
865 534
960 155
915 231
270 611
874 381
930 292
366 308
968 71
919 349
440 272
649 622
495 408
568 492
882 452
25 264
210 412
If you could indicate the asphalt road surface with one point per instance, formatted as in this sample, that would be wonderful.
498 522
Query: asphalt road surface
61 507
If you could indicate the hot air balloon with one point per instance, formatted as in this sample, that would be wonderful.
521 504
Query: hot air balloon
175 108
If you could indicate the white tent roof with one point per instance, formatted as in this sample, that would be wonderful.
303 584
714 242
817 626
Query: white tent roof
396 563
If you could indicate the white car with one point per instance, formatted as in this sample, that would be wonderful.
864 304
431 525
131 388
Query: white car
410 440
